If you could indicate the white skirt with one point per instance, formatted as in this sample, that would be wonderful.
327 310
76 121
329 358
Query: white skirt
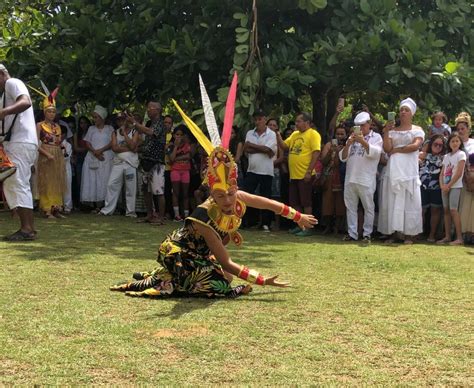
400 211
95 177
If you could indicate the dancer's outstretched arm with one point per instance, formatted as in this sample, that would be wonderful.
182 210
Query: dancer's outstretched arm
303 220
218 250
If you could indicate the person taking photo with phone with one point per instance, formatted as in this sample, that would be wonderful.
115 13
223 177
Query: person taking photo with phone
362 154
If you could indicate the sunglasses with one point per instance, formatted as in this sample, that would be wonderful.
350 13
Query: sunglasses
437 145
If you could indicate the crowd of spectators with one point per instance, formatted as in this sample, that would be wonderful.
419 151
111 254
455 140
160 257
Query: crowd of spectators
391 179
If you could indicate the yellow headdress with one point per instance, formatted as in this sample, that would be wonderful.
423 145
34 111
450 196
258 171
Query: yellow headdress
49 98
463 117
222 169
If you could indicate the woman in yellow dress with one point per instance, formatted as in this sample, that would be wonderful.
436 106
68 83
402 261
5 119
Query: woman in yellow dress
51 170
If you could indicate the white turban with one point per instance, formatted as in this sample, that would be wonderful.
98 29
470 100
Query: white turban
410 104
362 118
101 111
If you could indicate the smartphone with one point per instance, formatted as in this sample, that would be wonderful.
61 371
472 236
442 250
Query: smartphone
341 101
391 116
334 142
357 129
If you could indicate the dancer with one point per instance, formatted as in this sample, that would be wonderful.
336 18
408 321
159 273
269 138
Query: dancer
193 259
51 168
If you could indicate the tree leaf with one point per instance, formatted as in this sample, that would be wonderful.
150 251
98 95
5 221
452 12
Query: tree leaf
238 15
365 6
242 49
332 60
408 72
452 67
241 38
120 70
319 3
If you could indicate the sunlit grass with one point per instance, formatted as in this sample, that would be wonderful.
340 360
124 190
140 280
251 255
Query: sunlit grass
355 315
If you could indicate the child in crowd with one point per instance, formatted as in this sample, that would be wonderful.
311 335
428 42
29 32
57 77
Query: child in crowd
431 163
439 125
179 152
451 184
67 152
202 192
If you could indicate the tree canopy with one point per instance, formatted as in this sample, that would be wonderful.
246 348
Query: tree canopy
117 52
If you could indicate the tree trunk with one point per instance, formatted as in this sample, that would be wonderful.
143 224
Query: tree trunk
318 97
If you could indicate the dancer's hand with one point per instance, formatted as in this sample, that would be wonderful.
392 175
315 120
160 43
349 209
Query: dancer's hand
307 221
271 281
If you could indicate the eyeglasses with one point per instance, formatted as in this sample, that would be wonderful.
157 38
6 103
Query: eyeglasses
437 145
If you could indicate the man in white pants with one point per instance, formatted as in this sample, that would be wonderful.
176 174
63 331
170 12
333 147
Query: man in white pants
124 168
362 154
17 122
67 151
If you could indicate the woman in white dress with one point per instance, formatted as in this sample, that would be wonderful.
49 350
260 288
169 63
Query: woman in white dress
98 161
400 208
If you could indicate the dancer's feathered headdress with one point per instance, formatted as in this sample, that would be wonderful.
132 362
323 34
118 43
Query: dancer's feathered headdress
49 98
222 169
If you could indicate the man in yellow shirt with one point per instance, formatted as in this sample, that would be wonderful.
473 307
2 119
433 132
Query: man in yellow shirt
304 147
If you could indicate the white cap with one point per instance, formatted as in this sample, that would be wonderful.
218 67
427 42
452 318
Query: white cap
362 118
410 104
3 68
101 111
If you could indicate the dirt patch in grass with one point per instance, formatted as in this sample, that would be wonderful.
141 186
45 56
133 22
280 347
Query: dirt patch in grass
15 371
193 331
109 376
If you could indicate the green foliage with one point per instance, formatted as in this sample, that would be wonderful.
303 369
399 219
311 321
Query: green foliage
118 52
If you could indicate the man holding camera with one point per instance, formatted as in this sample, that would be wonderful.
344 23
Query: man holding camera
20 141
152 161
361 153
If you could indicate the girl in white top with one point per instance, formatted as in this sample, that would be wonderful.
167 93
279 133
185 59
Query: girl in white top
400 208
450 180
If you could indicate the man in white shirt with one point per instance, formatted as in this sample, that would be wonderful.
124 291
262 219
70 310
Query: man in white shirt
362 154
21 145
260 147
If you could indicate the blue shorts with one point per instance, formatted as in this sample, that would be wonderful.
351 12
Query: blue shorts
431 198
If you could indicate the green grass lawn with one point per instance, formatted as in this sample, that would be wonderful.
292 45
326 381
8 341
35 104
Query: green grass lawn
386 315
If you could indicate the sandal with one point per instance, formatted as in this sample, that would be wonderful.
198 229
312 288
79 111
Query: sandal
443 241
19 236
457 242
156 222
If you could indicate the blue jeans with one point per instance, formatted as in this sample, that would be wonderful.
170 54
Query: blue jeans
253 181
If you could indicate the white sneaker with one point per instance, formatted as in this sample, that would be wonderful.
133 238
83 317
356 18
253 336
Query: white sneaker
266 228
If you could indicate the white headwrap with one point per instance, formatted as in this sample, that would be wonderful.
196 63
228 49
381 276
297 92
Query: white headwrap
362 118
101 111
410 104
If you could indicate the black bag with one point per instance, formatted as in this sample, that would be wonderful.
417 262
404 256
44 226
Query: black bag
7 136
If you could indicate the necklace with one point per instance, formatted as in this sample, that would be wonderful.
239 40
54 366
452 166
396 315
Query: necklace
51 128
228 223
